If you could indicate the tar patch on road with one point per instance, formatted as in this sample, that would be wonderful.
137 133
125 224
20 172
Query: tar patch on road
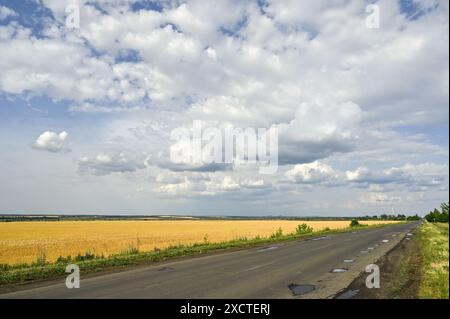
348 294
298 290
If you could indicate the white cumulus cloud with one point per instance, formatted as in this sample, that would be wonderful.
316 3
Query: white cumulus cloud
52 142
105 164
315 172
6 12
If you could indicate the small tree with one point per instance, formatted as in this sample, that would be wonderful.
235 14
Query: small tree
444 208
438 217
444 214
354 223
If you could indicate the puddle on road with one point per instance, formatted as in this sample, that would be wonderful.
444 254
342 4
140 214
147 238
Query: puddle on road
298 290
267 248
338 270
349 294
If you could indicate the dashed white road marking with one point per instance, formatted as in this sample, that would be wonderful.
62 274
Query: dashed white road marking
258 267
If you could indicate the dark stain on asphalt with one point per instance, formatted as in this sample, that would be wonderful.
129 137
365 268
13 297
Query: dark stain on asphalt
298 290
349 294
165 269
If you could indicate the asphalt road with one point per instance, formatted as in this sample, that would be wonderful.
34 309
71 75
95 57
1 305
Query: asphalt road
263 272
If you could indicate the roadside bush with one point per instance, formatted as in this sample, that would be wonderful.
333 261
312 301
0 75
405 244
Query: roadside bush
354 223
303 229
64 260
130 250
87 256
277 234
4 267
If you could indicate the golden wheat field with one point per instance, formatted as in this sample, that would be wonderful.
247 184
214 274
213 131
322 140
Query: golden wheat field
22 242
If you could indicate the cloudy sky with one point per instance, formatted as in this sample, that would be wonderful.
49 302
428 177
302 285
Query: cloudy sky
86 113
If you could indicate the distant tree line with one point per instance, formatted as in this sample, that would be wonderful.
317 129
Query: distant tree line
27 218
390 217
438 216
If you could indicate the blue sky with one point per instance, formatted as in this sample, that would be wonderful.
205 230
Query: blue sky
86 113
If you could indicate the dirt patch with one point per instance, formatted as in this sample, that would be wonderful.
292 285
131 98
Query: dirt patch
399 274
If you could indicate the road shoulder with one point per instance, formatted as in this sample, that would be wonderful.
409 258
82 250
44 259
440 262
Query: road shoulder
400 273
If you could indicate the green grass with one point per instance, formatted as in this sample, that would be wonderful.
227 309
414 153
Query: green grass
40 270
434 239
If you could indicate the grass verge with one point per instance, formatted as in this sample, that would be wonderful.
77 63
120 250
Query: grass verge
41 270
434 238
